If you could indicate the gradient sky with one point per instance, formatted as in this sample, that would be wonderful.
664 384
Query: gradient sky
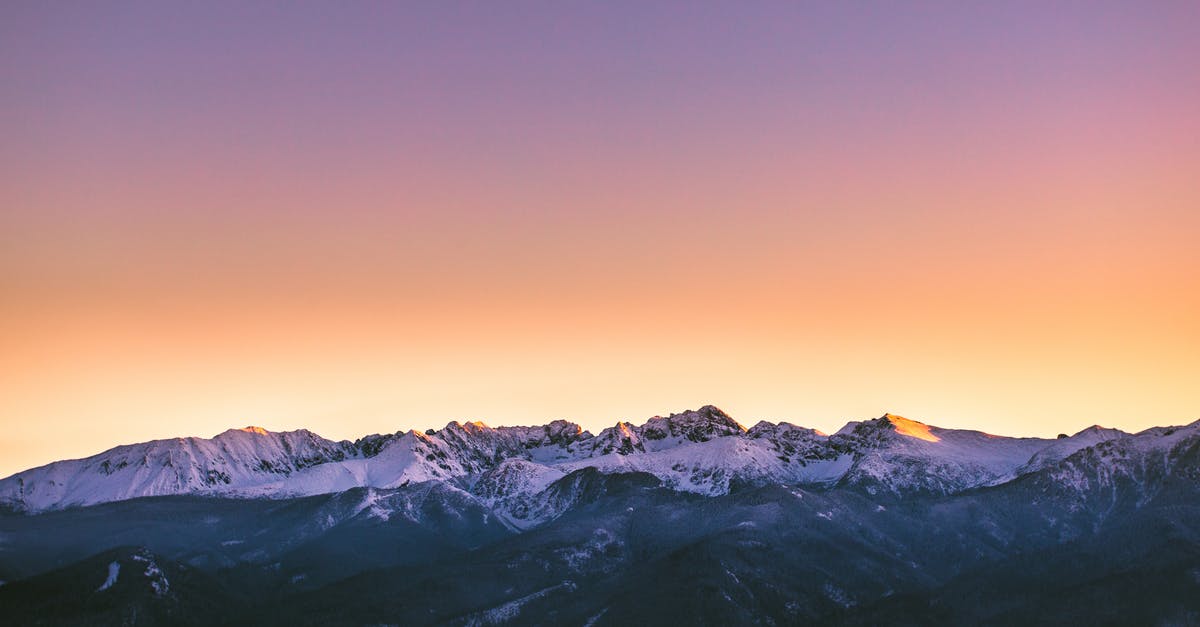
391 215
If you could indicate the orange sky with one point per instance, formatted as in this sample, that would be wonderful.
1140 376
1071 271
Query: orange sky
983 221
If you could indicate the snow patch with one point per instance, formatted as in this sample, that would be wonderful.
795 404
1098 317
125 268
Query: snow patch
591 553
837 595
510 610
592 621
158 579
114 569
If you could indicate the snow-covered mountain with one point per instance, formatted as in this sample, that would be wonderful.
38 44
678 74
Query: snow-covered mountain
684 518
1137 467
234 459
702 451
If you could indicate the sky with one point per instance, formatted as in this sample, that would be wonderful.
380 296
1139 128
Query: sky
368 217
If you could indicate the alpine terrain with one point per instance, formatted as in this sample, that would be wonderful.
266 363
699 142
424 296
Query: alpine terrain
689 518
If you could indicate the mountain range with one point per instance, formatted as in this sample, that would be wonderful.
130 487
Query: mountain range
689 517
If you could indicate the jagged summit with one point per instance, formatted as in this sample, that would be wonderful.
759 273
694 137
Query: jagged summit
764 428
694 425
254 430
472 426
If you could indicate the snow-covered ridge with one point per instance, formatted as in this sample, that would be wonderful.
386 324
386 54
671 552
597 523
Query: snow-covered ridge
701 450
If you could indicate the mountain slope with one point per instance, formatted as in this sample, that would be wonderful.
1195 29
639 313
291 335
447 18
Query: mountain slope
703 451
235 459
126 586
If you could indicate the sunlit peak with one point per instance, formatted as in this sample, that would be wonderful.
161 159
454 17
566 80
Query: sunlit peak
911 428
254 430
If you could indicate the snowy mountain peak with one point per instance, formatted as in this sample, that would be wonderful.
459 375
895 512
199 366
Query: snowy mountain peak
1097 430
557 432
698 425
563 429
255 430
235 459
475 426
786 430
1063 447
622 438
910 428
883 429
